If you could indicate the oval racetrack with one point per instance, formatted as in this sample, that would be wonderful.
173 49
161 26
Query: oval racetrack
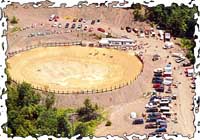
74 68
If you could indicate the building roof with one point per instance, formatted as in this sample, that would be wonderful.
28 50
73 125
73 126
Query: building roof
106 40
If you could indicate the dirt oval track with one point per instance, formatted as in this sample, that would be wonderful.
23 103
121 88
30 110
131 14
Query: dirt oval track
74 68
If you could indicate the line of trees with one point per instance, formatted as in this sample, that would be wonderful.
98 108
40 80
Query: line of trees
28 116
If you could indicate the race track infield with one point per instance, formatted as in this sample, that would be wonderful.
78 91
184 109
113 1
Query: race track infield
75 68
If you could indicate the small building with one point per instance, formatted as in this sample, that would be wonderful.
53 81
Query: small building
116 42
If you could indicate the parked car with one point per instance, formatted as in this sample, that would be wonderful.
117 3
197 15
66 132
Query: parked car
157 78
73 25
156 85
92 22
186 64
75 20
135 30
80 20
151 126
85 28
55 24
162 129
155 58
179 60
151 119
66 25
79 26
157 74
59 25
158 81
128 29
160 89
154 114
155 109
52 17
138 121
101 30
163 125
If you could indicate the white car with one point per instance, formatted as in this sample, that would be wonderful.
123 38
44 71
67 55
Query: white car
55 24
59 25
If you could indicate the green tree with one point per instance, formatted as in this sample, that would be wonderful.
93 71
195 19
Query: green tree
83 129
50 99
27 96
188 45
64 127
47 123
88 112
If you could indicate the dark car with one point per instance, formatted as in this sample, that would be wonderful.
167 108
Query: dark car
138 121
157 81
186 64
75 19
66 25
80 20
152 109
73 25
162 129
151 126
155 58
157 78
160 89
157 74
135 30
151 120
128 29
93 22
154 114
163 125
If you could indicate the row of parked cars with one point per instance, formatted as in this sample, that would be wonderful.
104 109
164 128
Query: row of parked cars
158 108
84 21
157 81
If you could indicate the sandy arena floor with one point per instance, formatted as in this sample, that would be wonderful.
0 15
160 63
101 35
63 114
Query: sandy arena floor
74 68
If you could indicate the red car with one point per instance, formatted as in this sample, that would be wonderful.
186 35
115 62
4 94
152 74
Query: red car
100 30
156 85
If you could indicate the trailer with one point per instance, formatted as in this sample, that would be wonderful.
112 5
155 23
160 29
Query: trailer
116 42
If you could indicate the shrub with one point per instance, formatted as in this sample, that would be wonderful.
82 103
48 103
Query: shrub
14 20
108 123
